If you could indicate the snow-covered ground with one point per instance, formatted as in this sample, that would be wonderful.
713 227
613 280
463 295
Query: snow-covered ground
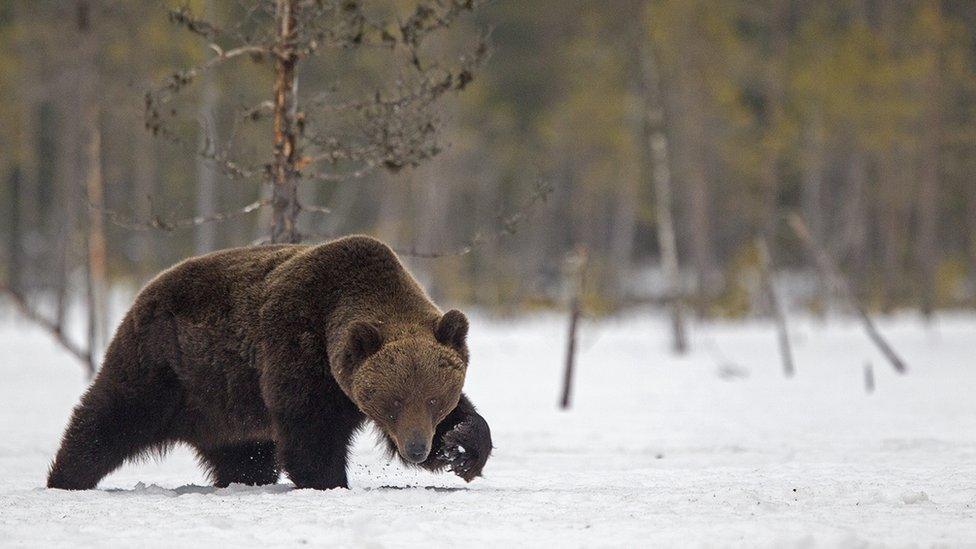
715 448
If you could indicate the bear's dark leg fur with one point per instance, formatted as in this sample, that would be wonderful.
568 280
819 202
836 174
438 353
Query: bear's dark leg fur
111 425
313 432
251 463
126 412
314 461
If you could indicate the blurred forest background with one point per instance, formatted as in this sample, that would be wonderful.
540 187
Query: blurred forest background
661 137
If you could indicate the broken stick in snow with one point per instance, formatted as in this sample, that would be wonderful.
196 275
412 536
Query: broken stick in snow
868 378
776 307
576 268
834 278
54 328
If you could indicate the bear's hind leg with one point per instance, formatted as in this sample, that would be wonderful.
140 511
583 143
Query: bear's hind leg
251 463
107 428
127 412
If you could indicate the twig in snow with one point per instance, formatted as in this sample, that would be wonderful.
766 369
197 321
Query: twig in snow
832 274
54 328
868 378
769 288
577 271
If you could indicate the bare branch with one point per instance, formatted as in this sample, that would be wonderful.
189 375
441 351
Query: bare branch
54 328
316 209
832 274
339 177
158 223
184 17
156 98
509 226
429 17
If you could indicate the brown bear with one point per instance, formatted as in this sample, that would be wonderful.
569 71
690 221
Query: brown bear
270 358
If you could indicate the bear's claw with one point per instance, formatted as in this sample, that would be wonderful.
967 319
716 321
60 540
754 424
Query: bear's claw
466 448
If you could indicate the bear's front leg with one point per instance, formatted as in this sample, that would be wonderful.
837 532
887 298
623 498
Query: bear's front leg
313 454
462 442
312 419
314 424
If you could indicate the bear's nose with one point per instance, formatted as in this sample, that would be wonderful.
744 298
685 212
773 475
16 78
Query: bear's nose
416 451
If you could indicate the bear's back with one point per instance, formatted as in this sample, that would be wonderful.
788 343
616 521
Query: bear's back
216 284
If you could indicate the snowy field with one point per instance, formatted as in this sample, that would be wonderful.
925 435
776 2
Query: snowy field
715 449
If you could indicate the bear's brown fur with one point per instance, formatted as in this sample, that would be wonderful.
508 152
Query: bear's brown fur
270 358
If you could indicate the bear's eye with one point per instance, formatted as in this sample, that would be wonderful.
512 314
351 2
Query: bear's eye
432 402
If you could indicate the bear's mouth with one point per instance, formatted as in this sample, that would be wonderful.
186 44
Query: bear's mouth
415 451
414 447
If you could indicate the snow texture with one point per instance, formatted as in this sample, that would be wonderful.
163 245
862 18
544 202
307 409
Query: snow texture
716 448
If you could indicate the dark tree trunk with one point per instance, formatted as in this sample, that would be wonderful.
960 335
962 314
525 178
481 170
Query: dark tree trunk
284 175
576 269
695 184
811 197
775 81
855 240
205 234
775 305
972 238
91 142
655 164
926 251
891 224
143 188
15 244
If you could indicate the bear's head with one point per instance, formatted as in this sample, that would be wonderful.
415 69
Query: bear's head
407 384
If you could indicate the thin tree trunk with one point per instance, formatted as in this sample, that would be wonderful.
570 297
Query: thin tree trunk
891 226
928 185
811 198
69 197
92 138
623 232
432 203
205 234
15 244
623 218
855 239
892 187
143 188
575 273
775 79
284 176
701 228
693 141
655 165
34 143
972 240
775 306
91 297
96 247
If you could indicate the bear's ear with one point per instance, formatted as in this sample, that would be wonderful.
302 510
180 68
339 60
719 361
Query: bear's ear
364 340
452 330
